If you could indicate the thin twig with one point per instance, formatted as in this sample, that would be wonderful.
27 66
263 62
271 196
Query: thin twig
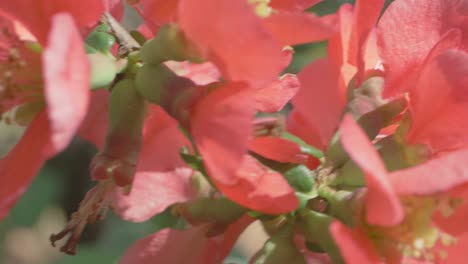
126 41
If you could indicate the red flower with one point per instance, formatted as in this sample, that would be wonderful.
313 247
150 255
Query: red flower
410 33
65 72
324 82
438 101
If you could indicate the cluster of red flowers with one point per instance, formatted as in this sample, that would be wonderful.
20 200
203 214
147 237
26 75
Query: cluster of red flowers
369 166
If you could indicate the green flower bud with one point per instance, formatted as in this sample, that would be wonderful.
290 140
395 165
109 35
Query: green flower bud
315 228
100 40
169 44
300 178
219 211
122 147
279 249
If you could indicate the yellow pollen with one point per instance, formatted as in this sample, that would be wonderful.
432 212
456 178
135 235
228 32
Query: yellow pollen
262 8
416 236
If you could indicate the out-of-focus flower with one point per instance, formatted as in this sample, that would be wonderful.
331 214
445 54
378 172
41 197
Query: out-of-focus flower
55 86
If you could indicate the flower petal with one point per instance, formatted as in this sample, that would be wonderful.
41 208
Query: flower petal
293 5
166 246
260 189
221 126
292 28
434 176
94 126
354 245
275 96
277 149
438 101
419 24
230 35
161 178
66 73
381 202
37 15
320 101
23 162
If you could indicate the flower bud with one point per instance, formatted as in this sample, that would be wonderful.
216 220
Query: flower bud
169 44
122 147
314 226
300 178
280 248
221 211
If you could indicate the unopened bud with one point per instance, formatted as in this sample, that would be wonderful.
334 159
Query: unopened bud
169 44
280 248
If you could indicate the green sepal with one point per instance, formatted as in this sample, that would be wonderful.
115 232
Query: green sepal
395 156
126 117
300 178
305 148
280 248
100 40
155 81
344 205
315 228
220 211
169 44
371 122
103 70
193 161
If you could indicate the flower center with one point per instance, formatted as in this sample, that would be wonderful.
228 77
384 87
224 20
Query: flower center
416 236
20 74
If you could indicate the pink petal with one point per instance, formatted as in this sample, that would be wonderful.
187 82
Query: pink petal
260 189
338 46
152 192
230 35
292 28
275 96
419 24
297 125
162 178
160 12
355 246
381 202
277 149
437 175
364 20
320 100
37 15
293 5
199 73
66 73
115 7
185 246
456 253
94 126
455 223
221 126
439 101
23 162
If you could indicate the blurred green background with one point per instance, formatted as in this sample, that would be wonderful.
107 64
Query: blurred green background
59 187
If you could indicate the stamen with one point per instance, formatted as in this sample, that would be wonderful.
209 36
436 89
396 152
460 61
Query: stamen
20 75
93 208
